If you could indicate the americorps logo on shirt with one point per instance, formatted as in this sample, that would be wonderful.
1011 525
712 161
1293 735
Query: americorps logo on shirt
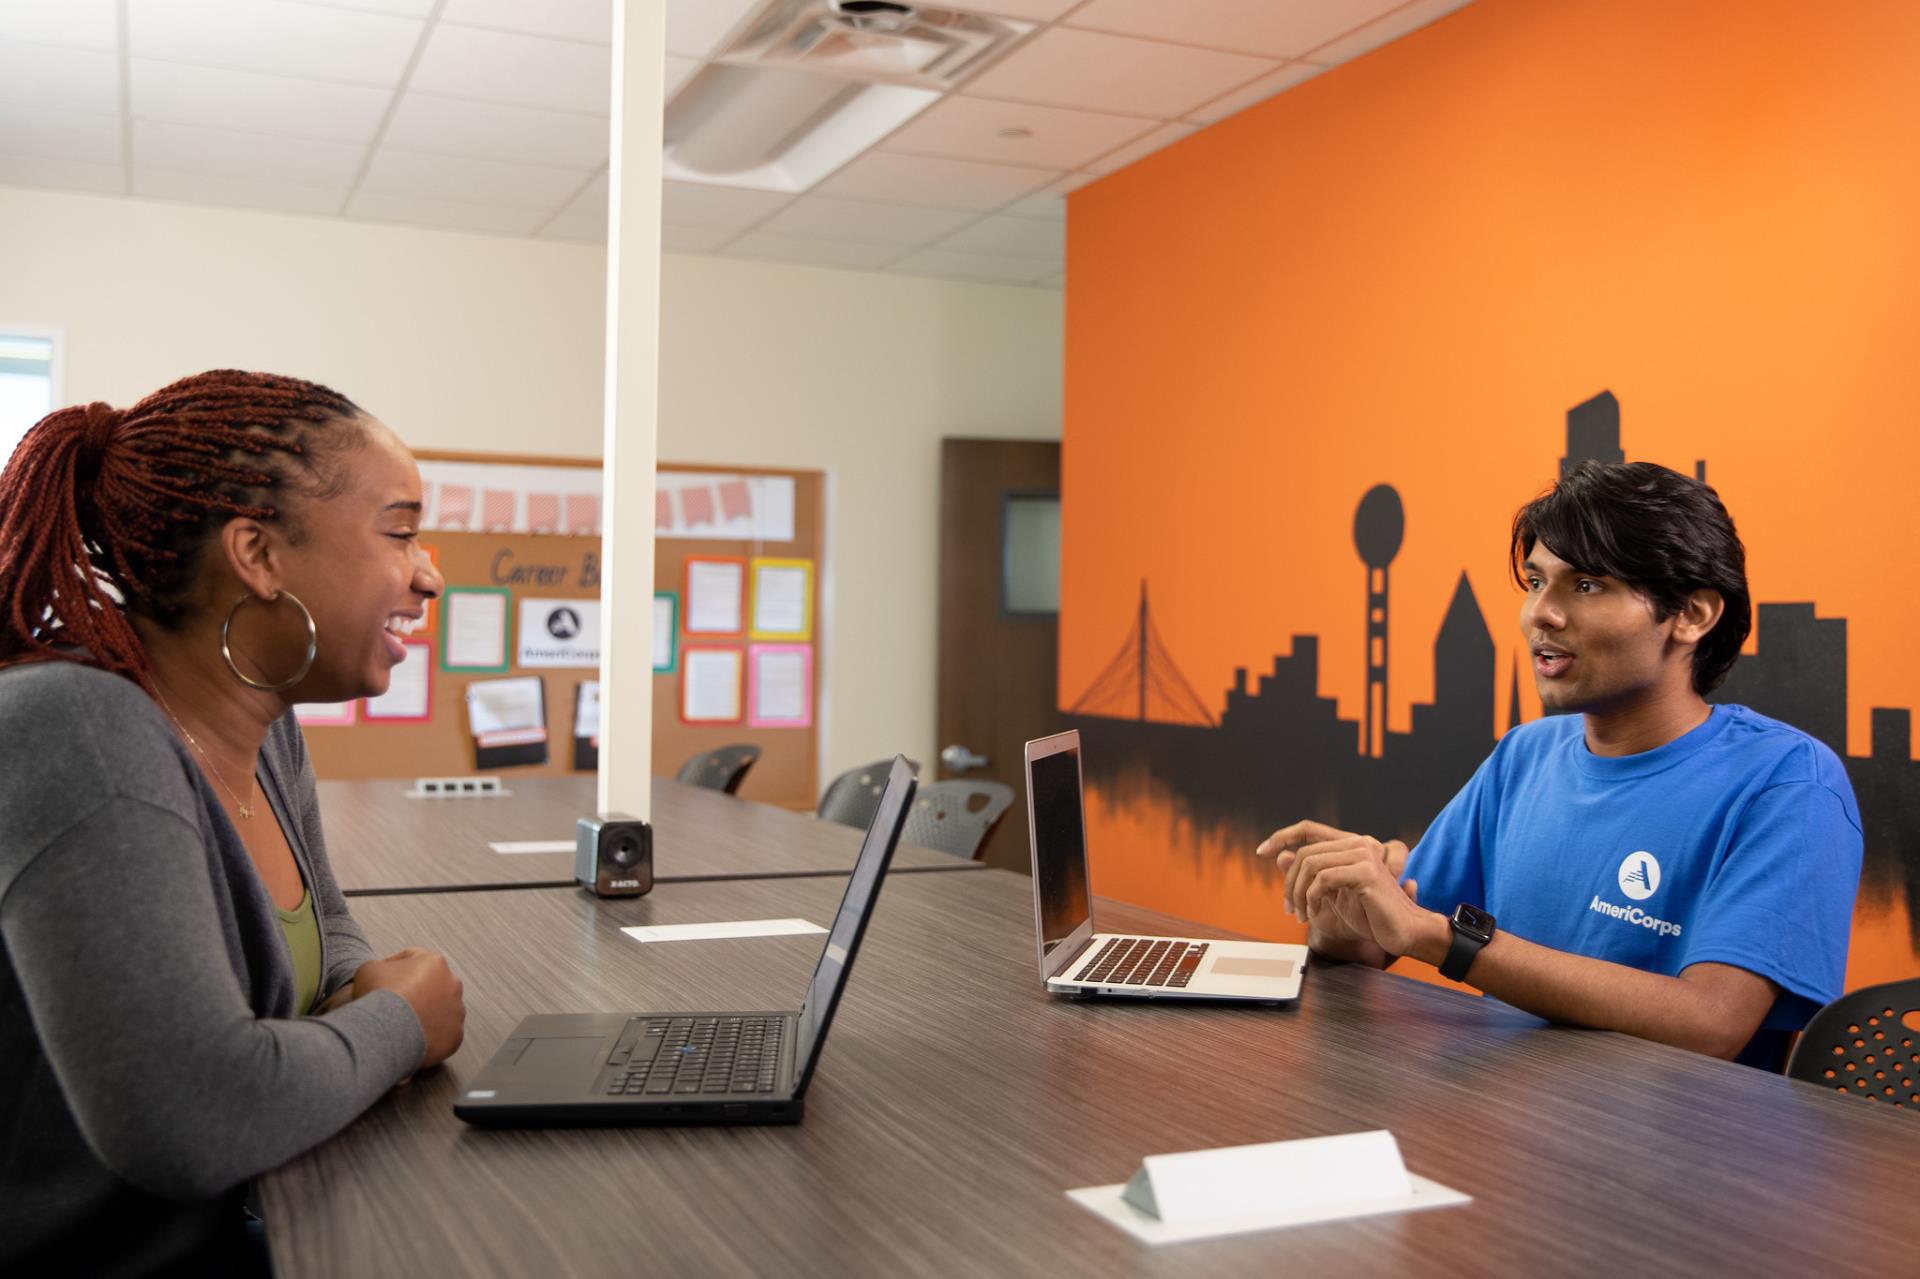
1639 879
1640 875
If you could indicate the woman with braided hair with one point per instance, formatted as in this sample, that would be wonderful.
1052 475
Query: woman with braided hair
184 1000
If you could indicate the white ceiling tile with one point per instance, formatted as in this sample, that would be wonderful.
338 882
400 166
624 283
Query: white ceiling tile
1032 10
695 28
1259 91
1051 202
1055 281
404 8
1164 136
590 20
575 228
60 135
1099 72
381 206
976 266
679 71
215 96
1265 28
694 239
194 149
248 193
597 189
965 128
696 204
317 41
529 71
395 171
494 131
84 24
825 218
1011 237
941 184
795 248
1400 22
66 175
45 75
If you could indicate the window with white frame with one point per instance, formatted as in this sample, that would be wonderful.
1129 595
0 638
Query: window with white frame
29 382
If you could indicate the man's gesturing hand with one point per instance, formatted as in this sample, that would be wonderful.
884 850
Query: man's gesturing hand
1344 886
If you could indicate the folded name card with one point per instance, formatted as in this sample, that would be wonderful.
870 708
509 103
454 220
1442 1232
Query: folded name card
1198 1194
532 846
735 928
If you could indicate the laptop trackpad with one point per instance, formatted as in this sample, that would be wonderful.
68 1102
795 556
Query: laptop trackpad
574 1053
1240 966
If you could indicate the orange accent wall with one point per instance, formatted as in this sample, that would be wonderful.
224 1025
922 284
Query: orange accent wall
1409 268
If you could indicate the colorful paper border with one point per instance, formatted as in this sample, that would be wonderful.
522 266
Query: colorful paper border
686 580
740 690
754 653
506 632
805 633
673 636
345 717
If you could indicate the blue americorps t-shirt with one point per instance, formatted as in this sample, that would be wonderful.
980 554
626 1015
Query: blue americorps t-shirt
1738 843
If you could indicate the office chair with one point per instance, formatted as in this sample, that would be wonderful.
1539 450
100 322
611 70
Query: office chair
721 769
944 816
852 798
1861 1044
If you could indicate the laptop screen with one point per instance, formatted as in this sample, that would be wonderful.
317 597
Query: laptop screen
830 975
1059 847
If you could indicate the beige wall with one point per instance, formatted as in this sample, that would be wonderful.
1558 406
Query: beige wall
494 344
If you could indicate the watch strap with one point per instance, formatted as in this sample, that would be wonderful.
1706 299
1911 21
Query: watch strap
1461 953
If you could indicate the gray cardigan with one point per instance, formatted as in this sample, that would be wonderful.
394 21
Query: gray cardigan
150 1059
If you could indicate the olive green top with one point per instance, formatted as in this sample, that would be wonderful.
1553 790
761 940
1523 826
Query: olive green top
303 942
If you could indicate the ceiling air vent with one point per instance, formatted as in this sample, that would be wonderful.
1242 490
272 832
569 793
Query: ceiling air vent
878 41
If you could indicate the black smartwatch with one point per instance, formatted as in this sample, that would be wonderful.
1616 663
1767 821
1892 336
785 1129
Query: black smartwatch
1472 929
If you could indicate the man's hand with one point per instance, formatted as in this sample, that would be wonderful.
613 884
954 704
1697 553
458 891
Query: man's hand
1352 888
1342 928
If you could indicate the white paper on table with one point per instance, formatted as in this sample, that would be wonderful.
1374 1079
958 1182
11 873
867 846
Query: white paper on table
514 706
780 686
780 600
735 928
662 632
1105 1201
407 687
533 846
711 679
1232 1181
586 709
713 597
476 623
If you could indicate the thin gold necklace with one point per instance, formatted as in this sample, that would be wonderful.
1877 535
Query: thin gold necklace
244 805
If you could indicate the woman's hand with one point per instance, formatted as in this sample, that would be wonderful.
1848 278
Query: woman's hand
423 979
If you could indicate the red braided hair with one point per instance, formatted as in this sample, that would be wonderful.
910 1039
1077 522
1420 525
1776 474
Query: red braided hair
104 511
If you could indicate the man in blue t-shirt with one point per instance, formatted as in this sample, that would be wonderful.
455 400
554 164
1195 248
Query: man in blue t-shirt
1653 864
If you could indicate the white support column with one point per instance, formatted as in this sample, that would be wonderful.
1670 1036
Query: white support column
633 377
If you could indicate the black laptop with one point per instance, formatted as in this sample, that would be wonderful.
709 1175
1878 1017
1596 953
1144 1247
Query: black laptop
688 1068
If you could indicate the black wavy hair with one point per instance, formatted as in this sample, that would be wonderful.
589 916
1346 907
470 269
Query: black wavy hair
1662 533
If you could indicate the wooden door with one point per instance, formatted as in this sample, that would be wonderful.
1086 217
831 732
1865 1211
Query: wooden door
999 617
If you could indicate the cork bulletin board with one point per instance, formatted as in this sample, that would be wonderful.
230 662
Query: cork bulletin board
546 546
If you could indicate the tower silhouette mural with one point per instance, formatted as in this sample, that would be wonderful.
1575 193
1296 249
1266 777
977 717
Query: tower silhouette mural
1378 526
1278 750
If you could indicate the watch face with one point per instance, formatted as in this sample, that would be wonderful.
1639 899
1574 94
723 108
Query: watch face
1473 921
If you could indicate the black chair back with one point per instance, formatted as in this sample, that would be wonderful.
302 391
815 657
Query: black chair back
1864 1044
721 770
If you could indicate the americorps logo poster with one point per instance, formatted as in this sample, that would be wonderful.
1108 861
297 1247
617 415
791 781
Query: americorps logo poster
559 633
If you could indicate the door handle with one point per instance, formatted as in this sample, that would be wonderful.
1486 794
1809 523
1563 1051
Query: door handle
960 759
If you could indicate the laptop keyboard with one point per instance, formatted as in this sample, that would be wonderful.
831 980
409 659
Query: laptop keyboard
1144 961
664 1056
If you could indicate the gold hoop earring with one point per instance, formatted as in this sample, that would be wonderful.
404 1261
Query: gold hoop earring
313 645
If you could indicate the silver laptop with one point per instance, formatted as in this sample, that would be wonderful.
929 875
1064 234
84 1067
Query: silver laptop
1077 959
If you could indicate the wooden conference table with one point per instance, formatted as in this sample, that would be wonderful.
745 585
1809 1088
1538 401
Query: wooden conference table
955 1103
380 841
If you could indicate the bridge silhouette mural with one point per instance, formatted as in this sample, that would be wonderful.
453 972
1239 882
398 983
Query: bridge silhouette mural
1277 750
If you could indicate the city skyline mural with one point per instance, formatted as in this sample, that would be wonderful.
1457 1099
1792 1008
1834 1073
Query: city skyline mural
1277 745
